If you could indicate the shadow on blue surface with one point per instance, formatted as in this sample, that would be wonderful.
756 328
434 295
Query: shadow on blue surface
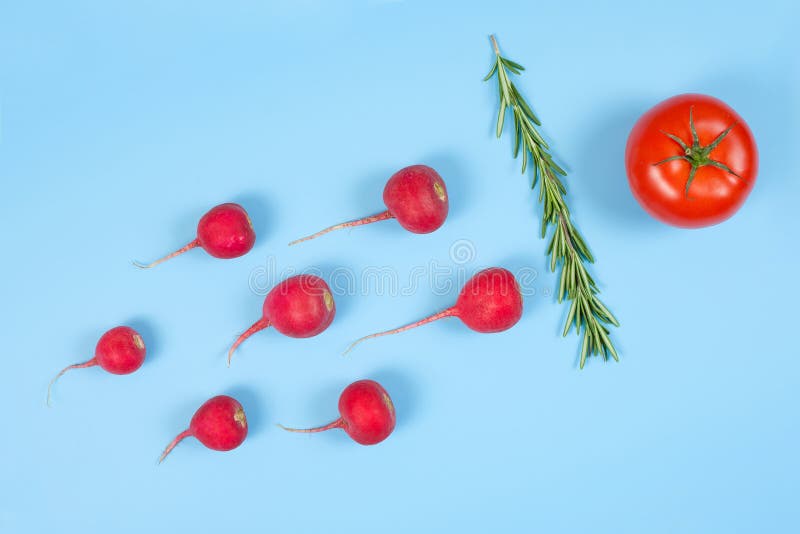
773 126
253 403
602 158
338 277
149 332
457 177
364 198
322 409
404 390
262 210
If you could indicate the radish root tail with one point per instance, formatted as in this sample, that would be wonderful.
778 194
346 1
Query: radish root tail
449 312
90 363
350 224
261 324
190 246
185 434
339 423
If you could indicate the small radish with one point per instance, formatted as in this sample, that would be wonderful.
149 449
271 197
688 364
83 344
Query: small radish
119 351
219 424
224 232
489 302
299 306
367 413
416 197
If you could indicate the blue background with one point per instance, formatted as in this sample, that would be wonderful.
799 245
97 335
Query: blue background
122 123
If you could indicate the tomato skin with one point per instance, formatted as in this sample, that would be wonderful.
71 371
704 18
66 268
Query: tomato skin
714 194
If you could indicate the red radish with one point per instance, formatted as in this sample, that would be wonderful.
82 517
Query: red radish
489 302
299 306
119 351
367 413
416 197
224 232
219 424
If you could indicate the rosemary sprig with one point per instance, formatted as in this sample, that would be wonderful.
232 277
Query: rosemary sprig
567 247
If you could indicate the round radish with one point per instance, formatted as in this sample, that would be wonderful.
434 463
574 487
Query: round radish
224 232
219 424
119 351
299 306
416 196
367 413
489 302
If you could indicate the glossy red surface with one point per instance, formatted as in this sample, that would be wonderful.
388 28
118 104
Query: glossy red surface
417 197
220 423
300 306
120 350
715 194
367 412
226 231
490 301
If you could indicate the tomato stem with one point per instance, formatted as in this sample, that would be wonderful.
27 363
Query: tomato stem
696 154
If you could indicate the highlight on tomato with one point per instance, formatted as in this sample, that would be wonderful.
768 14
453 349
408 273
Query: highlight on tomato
691 161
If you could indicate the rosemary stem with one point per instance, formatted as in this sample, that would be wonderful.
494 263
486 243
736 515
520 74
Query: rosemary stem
567 248
494 44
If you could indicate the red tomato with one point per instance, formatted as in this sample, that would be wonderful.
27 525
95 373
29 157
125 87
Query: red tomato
691 161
